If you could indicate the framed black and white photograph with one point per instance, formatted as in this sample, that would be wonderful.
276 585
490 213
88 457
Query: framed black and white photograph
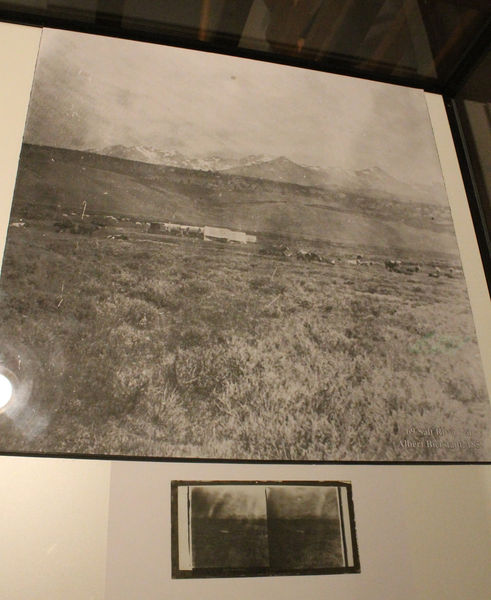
220 258
231 529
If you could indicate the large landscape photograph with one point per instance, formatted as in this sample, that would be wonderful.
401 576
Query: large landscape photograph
214 257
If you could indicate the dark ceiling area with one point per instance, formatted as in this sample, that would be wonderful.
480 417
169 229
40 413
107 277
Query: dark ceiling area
423 43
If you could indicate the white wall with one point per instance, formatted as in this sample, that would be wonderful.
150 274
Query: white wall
18 53
53 528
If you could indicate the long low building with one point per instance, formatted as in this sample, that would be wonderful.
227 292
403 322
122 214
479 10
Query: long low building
227 235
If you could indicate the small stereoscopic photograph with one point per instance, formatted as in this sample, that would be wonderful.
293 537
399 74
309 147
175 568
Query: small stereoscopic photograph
232 529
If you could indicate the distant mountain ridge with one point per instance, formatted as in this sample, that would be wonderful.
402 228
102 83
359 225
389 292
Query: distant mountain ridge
175 158
372 181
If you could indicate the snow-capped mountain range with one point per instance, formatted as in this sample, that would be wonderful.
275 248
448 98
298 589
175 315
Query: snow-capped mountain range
175 158
282 169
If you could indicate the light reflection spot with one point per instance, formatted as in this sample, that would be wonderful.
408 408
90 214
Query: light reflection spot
6 391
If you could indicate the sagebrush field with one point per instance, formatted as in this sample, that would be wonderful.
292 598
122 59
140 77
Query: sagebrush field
154 345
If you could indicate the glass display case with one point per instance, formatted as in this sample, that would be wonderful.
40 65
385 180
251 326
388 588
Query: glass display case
215 390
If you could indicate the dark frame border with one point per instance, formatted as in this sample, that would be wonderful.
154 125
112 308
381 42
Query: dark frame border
207 573
473 198
107 25
237 461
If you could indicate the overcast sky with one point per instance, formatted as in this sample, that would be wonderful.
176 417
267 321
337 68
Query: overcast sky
302 502
229 501
91 92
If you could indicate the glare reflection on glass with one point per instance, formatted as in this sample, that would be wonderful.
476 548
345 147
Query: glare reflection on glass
6 391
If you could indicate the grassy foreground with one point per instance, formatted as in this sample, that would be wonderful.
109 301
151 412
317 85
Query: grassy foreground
152 348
